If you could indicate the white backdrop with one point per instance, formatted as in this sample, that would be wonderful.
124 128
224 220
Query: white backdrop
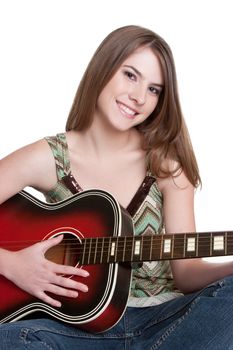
46 45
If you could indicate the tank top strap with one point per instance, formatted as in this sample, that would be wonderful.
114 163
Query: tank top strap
59 148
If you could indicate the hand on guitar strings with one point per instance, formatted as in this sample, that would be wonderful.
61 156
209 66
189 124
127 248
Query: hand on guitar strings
31 271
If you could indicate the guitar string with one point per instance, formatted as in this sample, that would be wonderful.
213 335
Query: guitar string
167 236
122 239
128 256
148 247
173 238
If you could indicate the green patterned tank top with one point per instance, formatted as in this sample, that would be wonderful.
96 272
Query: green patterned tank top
152 283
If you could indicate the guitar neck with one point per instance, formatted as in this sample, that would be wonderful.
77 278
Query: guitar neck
158 247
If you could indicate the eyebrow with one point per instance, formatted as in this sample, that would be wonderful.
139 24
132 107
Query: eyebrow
140 74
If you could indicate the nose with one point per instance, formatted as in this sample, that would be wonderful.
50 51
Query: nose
138 94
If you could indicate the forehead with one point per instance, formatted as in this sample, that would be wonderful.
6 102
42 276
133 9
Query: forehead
147 63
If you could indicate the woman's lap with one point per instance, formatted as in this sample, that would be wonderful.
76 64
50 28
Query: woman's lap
202 320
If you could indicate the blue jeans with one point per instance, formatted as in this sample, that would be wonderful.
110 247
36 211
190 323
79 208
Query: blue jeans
198 321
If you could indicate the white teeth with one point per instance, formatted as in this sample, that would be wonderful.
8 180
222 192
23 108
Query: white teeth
126 109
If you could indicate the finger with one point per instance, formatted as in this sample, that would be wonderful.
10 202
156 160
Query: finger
58 290
51 242
48 300
68 283
69 270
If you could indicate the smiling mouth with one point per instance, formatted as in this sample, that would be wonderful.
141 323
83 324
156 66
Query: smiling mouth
127 111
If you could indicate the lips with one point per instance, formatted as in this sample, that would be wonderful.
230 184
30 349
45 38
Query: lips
126 110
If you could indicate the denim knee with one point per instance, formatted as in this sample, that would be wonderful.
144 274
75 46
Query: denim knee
223 288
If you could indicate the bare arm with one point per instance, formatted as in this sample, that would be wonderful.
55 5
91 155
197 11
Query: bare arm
34 166
189 274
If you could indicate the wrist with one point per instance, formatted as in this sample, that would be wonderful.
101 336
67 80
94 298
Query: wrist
4 261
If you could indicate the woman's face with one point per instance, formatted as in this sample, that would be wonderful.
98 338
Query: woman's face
133 92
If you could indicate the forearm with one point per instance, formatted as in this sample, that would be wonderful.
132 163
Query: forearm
4 261
194 274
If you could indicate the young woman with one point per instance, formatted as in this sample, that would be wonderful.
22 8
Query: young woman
126 135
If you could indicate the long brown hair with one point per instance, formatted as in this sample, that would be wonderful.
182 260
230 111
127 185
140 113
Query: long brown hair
165 133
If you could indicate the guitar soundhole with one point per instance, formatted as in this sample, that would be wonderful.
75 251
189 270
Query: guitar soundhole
66 252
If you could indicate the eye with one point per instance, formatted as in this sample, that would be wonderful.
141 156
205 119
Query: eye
130 75
154 90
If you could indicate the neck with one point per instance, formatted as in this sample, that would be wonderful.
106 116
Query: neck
104 141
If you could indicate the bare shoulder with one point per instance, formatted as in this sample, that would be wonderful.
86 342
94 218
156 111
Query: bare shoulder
178 205
31 154
31 165
177 182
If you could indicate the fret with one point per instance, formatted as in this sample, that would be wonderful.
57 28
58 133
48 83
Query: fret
204 244
89 253
132 249
178 246
123 257
197 244
225 245
136 251
106 250
86 256
99 250
167 246
172 246
218 244
84 252
137 247
95 251
128 249
211 243
116 248
112 249
141 248
184 248
157 247
102 250
151 242
119 256
229 243
92 249
190 245
146 248
161 248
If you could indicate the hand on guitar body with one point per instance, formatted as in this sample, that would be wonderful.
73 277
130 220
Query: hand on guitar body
31 271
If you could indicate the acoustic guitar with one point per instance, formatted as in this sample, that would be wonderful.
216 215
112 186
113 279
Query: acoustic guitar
99 236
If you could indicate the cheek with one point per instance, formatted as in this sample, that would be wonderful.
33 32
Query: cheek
152 105
107 93
102 99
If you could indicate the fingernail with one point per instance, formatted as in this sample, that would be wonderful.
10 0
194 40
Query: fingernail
85 288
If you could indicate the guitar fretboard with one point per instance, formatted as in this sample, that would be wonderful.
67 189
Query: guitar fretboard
158 247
